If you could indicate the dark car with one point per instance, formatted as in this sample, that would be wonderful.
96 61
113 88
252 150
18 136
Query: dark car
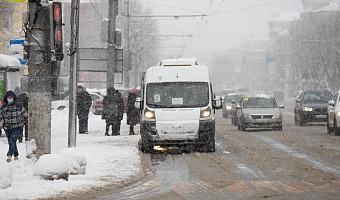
311 106
227 104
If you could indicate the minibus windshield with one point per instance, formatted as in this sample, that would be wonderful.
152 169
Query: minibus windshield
177 94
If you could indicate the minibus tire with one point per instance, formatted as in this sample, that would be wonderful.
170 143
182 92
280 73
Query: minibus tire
210 146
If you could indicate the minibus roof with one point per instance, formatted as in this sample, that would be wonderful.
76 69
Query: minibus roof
197 73
179 62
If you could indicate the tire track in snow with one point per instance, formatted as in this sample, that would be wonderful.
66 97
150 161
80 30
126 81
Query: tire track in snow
316 163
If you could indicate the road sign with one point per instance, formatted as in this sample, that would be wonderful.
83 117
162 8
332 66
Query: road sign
16 50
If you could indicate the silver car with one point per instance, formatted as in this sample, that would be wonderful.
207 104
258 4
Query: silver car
333 115
259 111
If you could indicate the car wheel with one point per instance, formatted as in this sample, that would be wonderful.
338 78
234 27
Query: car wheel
336 130
243 128
301 121
211 146
329 129
61 108
146 148
279 128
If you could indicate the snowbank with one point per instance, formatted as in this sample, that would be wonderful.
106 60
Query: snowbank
76 160
109 161
52 167
5 171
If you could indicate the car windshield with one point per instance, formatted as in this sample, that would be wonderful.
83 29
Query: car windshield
317 97
177 94
229 98
257 102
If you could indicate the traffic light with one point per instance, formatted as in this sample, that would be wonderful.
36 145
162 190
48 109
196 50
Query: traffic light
57 30
223 85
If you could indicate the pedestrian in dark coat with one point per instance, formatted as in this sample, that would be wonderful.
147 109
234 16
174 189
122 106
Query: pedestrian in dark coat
132 112
84 103
113 104
23 100
13 115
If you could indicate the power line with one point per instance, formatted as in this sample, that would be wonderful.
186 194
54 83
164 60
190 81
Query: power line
247 8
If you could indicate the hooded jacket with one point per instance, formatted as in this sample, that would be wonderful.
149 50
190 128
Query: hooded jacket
84 102
13 114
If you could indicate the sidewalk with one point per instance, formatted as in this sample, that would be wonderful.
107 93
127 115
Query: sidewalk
111 160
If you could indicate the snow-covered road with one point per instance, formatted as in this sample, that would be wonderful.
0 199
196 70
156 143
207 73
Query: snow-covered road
110 160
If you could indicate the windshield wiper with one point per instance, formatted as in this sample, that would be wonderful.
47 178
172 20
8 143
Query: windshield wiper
155 105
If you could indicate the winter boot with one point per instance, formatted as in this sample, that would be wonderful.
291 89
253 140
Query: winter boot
131 130
107 130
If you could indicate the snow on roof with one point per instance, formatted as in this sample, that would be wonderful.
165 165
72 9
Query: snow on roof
9 63
179 61
198 73
263 96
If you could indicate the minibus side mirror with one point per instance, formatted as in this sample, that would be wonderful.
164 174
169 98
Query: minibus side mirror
217 102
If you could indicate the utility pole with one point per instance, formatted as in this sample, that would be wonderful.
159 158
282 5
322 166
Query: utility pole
127 58
111 41
74 65
39 77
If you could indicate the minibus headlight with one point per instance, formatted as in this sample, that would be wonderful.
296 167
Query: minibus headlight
149 114
206 113
228 107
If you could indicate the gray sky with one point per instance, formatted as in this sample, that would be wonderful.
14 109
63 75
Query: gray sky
228 24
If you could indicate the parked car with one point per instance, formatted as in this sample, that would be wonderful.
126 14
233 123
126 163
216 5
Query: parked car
227 104
312 106
234 103
333 115
259 111
64 103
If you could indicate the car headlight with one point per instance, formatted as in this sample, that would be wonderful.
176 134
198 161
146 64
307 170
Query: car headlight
228 107
308 109
246 115
206 113
276 115
149 114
